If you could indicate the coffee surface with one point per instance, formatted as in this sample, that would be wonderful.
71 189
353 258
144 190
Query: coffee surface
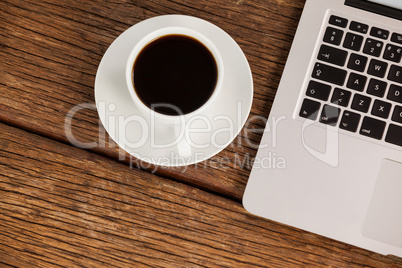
175 74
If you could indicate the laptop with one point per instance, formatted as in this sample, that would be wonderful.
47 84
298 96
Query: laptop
330 159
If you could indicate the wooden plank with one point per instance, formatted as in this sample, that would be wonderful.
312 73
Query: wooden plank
50 50
61 206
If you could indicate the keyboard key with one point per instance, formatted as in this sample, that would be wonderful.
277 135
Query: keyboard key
381 109
357 62
393 53
332 55
358 27
333 36
397 114
356 81
394 135
373 47
341 97
361 103
395 74
372 128
309 109
397 38
330 115
395 93
380 33
353 41
318 90
377 68
329 74
338 21
349 121
376 87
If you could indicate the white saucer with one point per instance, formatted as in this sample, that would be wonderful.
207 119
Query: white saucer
160 145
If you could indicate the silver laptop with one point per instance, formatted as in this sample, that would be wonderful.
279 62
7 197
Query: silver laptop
330 159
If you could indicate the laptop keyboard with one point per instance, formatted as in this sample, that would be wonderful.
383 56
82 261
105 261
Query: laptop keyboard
356 81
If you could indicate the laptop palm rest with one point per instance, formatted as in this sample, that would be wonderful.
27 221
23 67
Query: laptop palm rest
384 217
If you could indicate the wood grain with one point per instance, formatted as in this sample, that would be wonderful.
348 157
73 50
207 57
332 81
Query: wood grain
62 206
50 50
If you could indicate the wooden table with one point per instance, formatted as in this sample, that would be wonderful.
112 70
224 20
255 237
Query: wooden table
63 206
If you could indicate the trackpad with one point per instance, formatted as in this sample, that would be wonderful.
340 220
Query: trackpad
384 217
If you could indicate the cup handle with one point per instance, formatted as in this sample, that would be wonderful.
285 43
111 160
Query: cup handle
183 147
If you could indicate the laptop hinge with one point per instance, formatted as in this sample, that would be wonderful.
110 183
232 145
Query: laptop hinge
375 8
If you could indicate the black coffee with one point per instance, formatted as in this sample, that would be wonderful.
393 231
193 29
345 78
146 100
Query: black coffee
175 71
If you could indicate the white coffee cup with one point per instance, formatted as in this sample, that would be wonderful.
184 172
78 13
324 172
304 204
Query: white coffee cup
144 109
